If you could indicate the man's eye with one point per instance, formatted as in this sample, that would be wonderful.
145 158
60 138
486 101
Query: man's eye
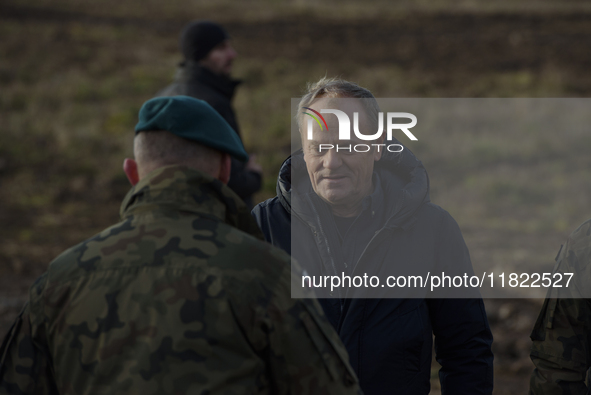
343 152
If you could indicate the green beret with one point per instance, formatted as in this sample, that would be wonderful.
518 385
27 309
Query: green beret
192 119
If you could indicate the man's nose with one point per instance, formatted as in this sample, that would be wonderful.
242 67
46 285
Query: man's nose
332 160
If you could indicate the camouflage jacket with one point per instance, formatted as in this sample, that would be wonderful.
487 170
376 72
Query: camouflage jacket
179 297
561 348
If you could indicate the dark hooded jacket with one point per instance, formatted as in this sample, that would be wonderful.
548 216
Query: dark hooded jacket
218 91
389 341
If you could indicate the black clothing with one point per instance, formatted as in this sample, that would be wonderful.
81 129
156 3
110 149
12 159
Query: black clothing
389 340
356 232
343 225
218 91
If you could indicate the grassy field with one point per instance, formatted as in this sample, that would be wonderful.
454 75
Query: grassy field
73 75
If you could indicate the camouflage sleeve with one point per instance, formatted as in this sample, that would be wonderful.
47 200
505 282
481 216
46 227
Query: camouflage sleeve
560 349
305 355
24 365
300 348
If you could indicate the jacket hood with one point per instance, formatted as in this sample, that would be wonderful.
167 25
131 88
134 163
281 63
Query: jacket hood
394 169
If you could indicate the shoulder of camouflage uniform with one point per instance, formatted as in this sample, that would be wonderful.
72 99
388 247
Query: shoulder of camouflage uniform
575 257
581 234
82 258
247 261
69 265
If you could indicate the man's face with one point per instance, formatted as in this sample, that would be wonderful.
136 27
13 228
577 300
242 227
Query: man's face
343 178
219 60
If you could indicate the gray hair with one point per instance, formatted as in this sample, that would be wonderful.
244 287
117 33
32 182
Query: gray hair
338 88
155 149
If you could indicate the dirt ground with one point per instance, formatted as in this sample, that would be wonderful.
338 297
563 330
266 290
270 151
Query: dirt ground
446 53
447 48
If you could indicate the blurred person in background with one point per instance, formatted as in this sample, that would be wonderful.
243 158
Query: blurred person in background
561 349
355 212
205 73
183 295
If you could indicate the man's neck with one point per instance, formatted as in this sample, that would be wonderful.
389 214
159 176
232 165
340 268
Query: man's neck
352 209
346 211
214 72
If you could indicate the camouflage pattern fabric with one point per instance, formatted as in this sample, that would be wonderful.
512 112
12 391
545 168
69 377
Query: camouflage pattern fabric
179 297
561 337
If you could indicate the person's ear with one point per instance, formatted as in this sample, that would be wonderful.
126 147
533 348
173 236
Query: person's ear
225 168
377 153
130 169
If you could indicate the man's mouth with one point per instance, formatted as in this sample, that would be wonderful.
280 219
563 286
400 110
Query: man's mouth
332 178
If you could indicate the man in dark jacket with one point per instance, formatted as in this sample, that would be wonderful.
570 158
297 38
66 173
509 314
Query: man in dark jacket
353 213
205 74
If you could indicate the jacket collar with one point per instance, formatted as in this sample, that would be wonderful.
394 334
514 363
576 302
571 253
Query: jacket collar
402 176
190 71
179 188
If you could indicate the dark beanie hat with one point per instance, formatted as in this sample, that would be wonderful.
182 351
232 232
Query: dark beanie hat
200 37
192 119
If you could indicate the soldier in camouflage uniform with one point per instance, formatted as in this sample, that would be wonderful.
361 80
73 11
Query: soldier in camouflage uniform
181 296
561 337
